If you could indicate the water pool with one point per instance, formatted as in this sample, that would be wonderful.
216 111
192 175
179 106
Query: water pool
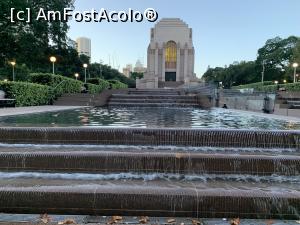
150 118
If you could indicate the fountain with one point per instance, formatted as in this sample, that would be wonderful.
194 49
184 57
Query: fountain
154 172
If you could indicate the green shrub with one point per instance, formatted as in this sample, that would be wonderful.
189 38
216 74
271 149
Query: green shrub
59 84
115 84
271 88
27 94
291 86
254 85
93 88
268 88
100 82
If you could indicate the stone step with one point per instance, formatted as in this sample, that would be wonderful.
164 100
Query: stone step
50 160
152 137
294 102
155 92
155 89
158 101
151 96
295 106
154 198
73 103
133 104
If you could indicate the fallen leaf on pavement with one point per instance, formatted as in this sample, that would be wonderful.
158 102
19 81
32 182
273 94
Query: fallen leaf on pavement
269 222
196 222
66 222
235 221
45 218
171 221
144 219
115 219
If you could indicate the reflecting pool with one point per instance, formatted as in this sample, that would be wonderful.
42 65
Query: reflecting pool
150 118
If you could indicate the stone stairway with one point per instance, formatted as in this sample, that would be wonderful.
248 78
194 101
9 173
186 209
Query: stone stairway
288 100
79 99
150 172
153 98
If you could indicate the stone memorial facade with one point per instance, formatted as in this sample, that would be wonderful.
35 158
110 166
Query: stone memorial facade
171 56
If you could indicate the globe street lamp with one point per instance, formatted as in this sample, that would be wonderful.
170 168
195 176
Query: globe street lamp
295 65
284 81
13 64
53 60
85 67
76 75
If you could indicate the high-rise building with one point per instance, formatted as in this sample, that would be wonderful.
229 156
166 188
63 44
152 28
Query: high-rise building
139 67
127 70
84 46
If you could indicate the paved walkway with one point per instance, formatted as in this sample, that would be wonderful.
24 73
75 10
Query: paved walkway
270 116
34 109
14 219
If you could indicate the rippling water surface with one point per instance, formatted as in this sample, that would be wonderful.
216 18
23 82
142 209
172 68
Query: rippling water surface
151 118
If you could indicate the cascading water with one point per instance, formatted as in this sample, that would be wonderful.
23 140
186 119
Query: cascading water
157 172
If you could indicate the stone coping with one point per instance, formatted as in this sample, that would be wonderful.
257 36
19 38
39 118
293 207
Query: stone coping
149 201
148 162
34 109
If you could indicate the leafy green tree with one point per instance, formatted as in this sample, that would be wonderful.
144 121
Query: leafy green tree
277 55
29 43
235 74
135 75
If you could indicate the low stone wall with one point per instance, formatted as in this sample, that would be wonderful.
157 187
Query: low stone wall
254 103
148 162
147 83
130 200
103 97
154 137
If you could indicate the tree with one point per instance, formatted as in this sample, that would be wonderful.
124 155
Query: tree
29 43
235 74
277 55
135 75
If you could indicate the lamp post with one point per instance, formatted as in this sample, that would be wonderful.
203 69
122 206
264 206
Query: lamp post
295 65
284 81
13 64
263 71
85 67
76 75
221 84
53 60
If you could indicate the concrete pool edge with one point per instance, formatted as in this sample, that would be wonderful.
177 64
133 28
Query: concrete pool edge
266 115
35 109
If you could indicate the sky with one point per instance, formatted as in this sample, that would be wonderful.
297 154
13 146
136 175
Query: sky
224 31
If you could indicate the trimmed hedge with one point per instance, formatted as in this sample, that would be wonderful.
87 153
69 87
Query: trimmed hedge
291 86
254 85
115 84
272 88
27 94
268 88
93 88
100 82
59 84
